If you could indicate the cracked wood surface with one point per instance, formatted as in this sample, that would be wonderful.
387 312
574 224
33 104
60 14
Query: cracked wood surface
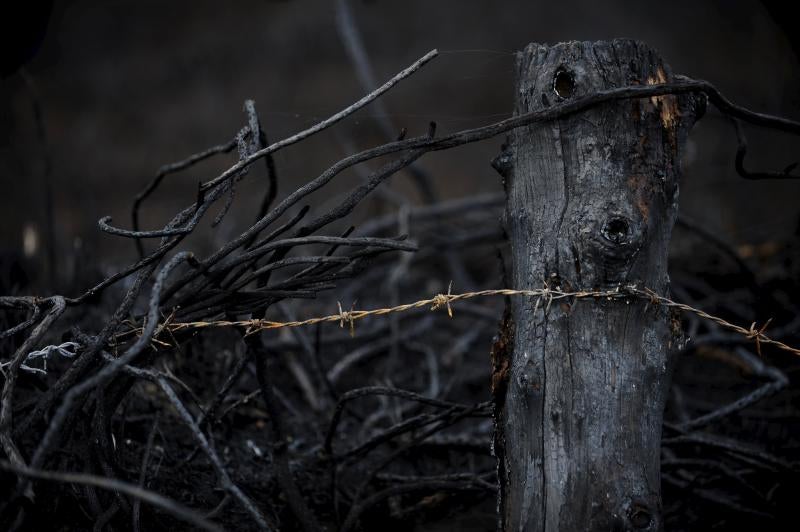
591 201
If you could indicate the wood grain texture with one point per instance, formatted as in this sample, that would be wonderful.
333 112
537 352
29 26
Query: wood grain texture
591 201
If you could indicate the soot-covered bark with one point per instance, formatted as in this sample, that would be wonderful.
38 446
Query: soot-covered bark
591 201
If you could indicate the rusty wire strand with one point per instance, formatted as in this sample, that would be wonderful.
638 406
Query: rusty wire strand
544 296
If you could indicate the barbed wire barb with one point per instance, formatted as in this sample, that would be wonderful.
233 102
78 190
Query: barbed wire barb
444 300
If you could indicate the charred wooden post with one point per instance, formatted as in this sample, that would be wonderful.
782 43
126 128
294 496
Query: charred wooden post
591 200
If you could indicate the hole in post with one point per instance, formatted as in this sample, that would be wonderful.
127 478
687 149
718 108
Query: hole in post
640 517
564 83
617 230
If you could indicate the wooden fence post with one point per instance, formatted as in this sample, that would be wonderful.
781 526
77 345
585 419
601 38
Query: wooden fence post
580 386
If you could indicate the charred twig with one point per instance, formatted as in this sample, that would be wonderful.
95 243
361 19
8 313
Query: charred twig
705 234
222 473
162 173
325 123
741 152
57 306
727 472
684 85
447 418
29 303
408 425
377 391
561 110
112 484
734 449
258 140
350 202
778 381
312 353
369 350
136 510
715 498
104 224
407 487
279 447
105 374
287 242
351 37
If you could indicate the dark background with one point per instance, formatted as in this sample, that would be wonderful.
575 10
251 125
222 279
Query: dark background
124 87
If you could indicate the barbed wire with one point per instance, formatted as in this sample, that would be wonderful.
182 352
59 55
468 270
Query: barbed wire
544 298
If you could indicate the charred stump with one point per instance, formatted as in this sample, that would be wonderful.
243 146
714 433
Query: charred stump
592 197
